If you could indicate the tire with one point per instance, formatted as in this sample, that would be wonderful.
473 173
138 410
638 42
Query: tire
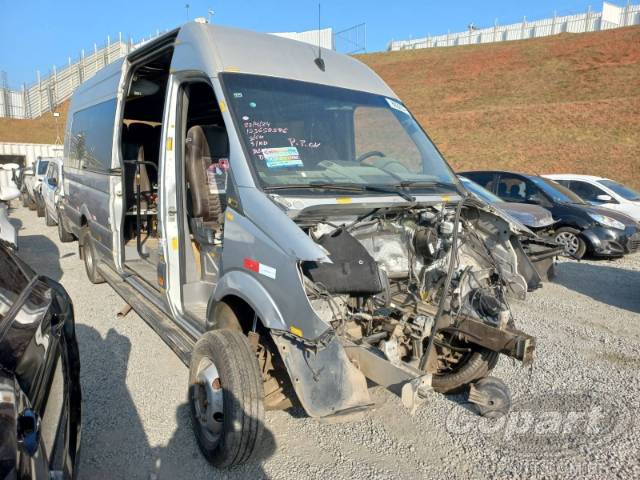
230 424
64 235
497 395
40 209
25 199
478 365
575 246
89 256
50 222
30 203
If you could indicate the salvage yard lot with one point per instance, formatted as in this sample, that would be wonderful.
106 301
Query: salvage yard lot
574 414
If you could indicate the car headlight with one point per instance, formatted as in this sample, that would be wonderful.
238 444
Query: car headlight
607 221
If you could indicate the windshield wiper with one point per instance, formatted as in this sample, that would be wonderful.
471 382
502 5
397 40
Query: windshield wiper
345 187
428 183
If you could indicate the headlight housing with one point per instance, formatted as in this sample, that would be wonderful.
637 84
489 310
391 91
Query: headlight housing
607 221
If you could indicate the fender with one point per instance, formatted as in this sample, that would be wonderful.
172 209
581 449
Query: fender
238 283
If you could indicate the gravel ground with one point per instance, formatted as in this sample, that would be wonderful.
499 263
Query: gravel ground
574 411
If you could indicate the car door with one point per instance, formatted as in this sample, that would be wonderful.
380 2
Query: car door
37 352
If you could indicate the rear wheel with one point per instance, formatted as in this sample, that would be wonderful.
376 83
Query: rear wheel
64 235
569 238
50 221
89 256
30 203
25 199
40 209
226 398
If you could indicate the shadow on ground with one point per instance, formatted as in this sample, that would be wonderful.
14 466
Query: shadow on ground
614 286
114 442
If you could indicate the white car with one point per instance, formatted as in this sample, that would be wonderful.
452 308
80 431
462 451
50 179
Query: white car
603 192
52 190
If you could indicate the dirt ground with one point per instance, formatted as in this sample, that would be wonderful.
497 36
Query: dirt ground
574 412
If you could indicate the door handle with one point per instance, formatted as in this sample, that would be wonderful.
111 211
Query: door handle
171 211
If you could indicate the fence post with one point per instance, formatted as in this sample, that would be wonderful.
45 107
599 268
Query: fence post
39 94
587 18
54 89
524 25
25 101
553 23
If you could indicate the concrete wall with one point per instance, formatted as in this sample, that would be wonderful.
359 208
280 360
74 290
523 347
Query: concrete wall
31 151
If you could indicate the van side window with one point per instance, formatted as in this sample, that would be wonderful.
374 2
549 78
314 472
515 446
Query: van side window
92 136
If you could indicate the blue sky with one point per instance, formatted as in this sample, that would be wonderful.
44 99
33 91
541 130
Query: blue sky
36 34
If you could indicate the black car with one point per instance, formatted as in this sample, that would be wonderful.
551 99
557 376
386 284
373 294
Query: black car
582 228
39 375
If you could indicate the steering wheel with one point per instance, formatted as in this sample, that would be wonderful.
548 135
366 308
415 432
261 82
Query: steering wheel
371 153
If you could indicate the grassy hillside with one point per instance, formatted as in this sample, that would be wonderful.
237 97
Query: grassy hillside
38 130
568 103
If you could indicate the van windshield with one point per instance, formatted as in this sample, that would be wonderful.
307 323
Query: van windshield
301 134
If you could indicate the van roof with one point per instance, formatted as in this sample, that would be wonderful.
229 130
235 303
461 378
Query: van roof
227 49
215 49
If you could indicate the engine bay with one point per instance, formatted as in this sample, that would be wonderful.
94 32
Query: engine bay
425 286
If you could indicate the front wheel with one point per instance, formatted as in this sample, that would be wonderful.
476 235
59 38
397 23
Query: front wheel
226 398
574 245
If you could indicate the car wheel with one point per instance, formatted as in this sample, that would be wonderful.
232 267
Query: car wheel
89 256
25 199
574 245
40 209
226 398
64 235
30 203
478 365
50 222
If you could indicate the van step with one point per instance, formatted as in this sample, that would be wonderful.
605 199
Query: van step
181 343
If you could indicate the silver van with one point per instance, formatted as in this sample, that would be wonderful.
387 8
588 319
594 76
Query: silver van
279 217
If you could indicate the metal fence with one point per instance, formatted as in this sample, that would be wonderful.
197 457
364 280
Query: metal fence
610 17
49 91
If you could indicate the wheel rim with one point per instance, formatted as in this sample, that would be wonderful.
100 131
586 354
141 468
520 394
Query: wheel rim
569 241
208 400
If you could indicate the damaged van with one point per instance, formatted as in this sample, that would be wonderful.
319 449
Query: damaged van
280 219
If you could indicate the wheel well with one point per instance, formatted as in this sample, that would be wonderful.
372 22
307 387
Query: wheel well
244 312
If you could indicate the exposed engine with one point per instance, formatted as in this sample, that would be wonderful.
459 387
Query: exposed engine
395 274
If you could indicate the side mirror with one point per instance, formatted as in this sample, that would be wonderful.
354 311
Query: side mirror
534 198
52 182
604 198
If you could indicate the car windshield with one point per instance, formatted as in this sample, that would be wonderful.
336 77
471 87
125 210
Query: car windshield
304 136
625 192
42 167
556 191
480 191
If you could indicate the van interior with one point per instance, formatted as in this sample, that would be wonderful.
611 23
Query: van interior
202 156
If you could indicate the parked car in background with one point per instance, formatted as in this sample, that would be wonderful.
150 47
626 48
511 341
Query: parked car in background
52 191
581 228
33 185
541 249
602 191
40 398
